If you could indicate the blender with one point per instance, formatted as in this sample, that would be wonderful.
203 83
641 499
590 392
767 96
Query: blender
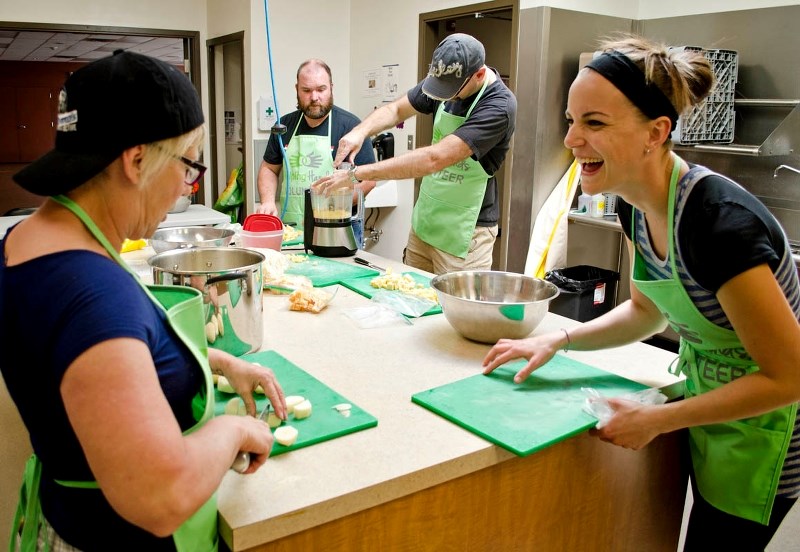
328 223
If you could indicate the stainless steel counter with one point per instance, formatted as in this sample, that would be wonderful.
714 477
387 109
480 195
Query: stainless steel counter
195 215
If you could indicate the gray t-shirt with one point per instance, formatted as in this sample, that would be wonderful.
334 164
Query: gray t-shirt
487 132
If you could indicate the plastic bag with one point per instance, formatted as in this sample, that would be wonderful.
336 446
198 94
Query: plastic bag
409 305
597 405
376 316
232 197
579 278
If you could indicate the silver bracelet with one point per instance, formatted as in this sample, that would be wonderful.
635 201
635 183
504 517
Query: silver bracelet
569 341
352 172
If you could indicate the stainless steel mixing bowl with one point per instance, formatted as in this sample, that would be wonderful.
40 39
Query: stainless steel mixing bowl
183 237
486 305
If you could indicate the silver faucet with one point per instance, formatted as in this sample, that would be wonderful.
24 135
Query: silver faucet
775 174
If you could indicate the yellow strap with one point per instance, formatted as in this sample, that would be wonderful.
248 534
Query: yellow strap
573 170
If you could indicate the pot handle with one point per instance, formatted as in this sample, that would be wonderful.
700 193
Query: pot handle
226 277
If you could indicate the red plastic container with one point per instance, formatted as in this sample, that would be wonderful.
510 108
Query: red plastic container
262 223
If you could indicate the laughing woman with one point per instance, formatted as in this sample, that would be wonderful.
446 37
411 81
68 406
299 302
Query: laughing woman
711 262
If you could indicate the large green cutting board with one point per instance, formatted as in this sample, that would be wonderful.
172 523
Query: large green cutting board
325 422
326 272
363 286
523 418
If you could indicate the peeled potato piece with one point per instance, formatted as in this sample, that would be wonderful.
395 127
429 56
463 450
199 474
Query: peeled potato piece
220 326
273 421
211 332
286 435
302 410
236 407
292 401
224 385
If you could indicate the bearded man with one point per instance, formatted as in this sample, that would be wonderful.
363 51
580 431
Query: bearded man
310 143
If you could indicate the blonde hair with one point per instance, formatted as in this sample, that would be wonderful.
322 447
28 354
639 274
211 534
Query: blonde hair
684 76
158 154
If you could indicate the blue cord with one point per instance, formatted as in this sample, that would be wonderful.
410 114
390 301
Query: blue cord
277 113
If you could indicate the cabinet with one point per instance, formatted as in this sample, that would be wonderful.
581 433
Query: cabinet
27 122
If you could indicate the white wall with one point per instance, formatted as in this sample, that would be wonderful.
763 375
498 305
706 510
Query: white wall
652 9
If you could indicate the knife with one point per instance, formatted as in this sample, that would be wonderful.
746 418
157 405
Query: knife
359 260
242 461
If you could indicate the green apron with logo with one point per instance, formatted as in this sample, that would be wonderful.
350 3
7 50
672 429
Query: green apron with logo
309 160
183 307
450 200
737 464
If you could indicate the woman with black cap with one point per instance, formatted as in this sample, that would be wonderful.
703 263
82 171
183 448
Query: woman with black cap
115 389
711 262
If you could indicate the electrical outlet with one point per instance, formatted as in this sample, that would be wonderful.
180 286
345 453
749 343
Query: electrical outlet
410 141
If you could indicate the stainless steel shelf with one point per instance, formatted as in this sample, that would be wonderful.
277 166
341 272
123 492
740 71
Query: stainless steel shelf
780 141
609 222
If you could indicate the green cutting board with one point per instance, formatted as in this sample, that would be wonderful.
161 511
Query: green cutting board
325 422
296 241
523 418
363 286
326 272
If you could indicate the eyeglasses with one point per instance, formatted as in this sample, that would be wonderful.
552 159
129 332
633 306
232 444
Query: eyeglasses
194 170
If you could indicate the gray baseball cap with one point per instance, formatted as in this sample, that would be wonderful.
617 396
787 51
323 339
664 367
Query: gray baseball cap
455 60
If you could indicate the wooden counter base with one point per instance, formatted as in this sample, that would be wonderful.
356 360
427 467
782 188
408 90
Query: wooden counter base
581 494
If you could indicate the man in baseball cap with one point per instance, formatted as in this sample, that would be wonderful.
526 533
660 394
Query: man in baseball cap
454 223
455 60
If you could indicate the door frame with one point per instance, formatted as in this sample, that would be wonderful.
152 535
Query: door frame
429 38
191 45
215 123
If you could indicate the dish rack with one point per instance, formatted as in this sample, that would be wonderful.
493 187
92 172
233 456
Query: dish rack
713 119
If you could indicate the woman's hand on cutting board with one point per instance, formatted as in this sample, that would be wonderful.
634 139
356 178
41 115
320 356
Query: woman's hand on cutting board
537 350
245 377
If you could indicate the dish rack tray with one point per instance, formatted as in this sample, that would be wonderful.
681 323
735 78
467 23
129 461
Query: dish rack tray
713 119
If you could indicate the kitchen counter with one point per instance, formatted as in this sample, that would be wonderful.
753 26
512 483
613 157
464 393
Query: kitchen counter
418 481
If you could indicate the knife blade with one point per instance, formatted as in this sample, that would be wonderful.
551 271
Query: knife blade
359 260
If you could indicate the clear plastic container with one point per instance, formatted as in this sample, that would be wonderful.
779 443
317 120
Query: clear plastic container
262 240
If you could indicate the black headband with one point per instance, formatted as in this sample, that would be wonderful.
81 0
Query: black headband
626 76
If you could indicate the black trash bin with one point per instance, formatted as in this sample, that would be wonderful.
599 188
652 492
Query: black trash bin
585 292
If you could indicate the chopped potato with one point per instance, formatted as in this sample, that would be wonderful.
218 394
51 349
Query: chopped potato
291 233
309 299
404 283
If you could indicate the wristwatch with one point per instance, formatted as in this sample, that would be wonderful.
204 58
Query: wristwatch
352 172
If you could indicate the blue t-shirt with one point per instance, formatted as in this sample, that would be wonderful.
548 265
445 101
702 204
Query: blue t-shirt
53 309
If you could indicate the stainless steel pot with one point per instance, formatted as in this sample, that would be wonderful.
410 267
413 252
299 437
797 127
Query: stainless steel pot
231 282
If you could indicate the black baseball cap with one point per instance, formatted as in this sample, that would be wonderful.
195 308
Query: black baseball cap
455 60
106 107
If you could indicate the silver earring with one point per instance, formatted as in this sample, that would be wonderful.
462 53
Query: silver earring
647 151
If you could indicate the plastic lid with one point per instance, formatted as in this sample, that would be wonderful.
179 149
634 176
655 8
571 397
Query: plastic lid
262 223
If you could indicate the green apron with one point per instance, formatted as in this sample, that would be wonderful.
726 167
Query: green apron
309 160
450 200
737 464
183 307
